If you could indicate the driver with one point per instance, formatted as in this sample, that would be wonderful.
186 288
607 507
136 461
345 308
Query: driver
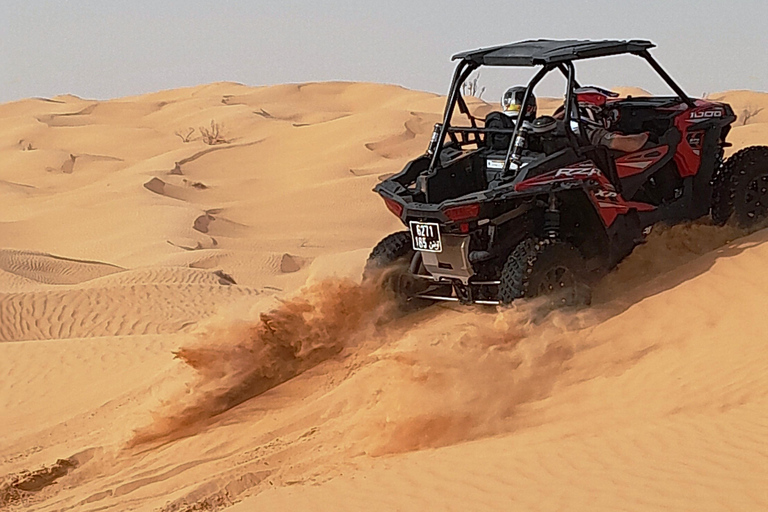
598 135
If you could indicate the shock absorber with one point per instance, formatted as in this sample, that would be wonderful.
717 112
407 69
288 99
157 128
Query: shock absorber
517 147
552 218
433 140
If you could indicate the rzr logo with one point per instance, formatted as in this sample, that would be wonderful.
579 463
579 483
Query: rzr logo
702 114
577 173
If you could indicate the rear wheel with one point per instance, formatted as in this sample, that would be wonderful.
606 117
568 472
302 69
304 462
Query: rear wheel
545 267
392 249
743 188
389 262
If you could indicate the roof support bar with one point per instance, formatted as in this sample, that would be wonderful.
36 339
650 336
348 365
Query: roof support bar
565 71
520 117
462 72
668 79
572 108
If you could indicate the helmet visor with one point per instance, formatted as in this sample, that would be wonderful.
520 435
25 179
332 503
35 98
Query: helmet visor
512 100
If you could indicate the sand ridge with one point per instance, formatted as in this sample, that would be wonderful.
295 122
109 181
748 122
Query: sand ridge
183 328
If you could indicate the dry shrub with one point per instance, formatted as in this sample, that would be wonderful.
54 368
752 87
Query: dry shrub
213 135
186 137
471 88
748 113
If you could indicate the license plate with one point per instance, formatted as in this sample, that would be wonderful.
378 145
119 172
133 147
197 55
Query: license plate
426 236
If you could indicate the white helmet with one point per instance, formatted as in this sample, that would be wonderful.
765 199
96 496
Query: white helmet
512 103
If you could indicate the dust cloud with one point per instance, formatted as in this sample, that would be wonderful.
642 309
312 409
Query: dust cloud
666 249
236 359
439 377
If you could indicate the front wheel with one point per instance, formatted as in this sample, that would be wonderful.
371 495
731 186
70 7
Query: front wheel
743 188
547 267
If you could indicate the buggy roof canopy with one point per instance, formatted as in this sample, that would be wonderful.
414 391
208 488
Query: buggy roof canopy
549 51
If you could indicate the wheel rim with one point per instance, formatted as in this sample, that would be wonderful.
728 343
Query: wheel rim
559 282
756 198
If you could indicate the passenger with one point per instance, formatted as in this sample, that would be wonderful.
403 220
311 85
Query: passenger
511 105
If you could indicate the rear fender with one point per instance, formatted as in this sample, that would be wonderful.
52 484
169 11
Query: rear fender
585 175
636 168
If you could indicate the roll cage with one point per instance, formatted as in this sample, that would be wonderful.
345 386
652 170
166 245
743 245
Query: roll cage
551 55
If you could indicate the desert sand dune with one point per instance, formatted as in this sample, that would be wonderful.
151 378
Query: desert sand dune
754 103
124 309
49 269
183 328
625 91
11 281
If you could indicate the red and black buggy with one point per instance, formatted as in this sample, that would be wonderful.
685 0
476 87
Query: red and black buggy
495 213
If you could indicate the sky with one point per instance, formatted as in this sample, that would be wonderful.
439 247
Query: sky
103 49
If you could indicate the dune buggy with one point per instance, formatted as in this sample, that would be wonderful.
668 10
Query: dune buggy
495 213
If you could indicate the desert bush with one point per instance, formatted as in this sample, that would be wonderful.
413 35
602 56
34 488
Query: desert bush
213 135
185 137
471 88
748 113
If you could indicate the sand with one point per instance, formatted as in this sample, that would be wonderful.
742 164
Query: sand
182 327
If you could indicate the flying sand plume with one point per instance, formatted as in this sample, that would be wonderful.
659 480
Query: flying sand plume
487 365
239 359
